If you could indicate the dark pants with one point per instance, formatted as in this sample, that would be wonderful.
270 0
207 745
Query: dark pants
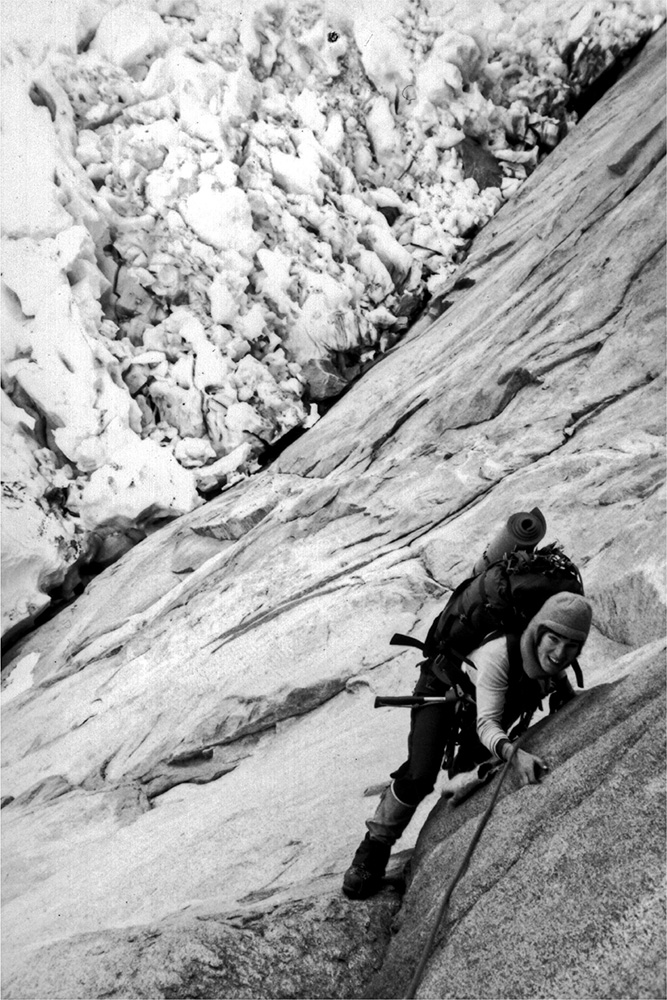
430 725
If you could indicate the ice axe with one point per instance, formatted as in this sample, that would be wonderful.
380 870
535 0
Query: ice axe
416 700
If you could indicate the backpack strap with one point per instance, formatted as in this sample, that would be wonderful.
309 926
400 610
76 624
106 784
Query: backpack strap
444 667
577 673
527 696
514 656
399 639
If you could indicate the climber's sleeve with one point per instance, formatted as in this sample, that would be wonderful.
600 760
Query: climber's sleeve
492 679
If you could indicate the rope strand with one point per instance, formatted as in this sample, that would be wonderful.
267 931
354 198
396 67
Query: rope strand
457 877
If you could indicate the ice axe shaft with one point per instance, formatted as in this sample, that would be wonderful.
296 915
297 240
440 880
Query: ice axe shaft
413 701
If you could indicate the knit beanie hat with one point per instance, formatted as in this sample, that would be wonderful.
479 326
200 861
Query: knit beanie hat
566 614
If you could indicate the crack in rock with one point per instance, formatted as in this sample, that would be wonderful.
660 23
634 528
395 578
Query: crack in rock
582 418
403 419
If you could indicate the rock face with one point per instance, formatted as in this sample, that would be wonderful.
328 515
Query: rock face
308 948
195 733
211 221
564 896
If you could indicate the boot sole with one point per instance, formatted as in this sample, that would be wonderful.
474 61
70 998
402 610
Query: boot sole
364 892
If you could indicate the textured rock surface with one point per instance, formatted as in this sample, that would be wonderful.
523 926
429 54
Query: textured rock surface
212 220
310 948
564 896
257 626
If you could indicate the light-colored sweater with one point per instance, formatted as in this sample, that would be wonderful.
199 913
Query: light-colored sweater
491 679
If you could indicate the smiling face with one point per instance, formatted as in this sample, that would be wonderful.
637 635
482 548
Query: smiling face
555 652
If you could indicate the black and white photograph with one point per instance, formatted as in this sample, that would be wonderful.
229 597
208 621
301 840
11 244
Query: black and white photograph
334 534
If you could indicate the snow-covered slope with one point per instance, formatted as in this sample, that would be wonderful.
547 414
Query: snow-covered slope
213 217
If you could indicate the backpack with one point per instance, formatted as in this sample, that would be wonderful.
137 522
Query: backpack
499 600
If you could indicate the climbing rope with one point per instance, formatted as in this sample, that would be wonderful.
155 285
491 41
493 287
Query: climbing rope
412 991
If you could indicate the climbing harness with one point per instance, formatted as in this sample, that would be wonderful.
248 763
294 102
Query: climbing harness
426 953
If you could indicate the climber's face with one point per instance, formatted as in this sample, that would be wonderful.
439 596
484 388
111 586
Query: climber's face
555 652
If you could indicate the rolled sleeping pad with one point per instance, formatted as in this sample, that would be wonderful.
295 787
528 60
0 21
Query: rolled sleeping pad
524 530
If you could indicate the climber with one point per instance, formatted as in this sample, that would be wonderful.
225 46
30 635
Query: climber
511 675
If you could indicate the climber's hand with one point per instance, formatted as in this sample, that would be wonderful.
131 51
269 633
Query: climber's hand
529 768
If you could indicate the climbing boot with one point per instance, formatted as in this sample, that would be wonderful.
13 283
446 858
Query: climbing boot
364 876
